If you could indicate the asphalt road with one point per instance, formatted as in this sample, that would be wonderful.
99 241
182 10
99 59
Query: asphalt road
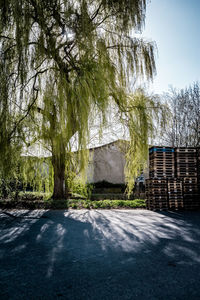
99 254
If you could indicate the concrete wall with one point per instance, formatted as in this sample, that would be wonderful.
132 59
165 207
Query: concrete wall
106 163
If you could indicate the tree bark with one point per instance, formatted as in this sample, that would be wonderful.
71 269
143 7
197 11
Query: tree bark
59 156
59 179
58 162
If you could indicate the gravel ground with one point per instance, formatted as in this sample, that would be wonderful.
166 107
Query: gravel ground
99 254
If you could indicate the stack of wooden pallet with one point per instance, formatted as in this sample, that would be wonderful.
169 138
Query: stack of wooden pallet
161 162
186 162
187 169
161 167
175 193
191 193
174 178
156 192
198 164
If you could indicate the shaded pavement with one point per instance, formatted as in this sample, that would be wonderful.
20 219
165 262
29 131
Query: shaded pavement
99 254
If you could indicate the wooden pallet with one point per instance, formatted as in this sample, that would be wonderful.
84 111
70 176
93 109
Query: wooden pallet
177 203
186 165
191 191
156 149
186 160
156 181
161 161
190 180
175 194
168 153
162 170
161 154
173 187
157 198
161 166
186 173
187 156
157 206
174 181
185 150
186 170
190 188
157 195
161 174
157 187
157 191
164 156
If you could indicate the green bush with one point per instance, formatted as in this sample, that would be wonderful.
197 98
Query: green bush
33 196
38 202
78 187
73 205
138 203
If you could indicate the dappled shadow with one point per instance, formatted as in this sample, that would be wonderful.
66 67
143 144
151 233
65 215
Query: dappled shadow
99 254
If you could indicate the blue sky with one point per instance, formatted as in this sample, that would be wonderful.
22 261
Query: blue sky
175 27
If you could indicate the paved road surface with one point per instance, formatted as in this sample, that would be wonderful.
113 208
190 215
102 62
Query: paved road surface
99 254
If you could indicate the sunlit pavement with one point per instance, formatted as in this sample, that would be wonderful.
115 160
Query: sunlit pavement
99 254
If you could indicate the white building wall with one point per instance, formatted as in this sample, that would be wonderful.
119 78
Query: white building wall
106 163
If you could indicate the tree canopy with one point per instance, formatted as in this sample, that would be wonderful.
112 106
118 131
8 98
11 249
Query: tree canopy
183 130
66 59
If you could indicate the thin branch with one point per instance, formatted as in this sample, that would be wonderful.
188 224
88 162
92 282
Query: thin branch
6 37
97 11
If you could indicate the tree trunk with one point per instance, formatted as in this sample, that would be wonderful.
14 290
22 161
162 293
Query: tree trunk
59 180
58 162
59 156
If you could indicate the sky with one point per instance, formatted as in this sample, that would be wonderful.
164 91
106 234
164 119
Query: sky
175 27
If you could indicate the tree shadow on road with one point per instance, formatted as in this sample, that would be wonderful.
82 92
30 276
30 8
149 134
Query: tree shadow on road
99 254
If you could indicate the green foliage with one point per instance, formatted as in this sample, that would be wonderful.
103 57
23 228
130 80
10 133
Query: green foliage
40 200
77 185
118 204
10 139
26 173
37 173
32 196
144 112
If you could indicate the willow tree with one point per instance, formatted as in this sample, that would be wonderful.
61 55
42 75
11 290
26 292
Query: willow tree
11 135
73 57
